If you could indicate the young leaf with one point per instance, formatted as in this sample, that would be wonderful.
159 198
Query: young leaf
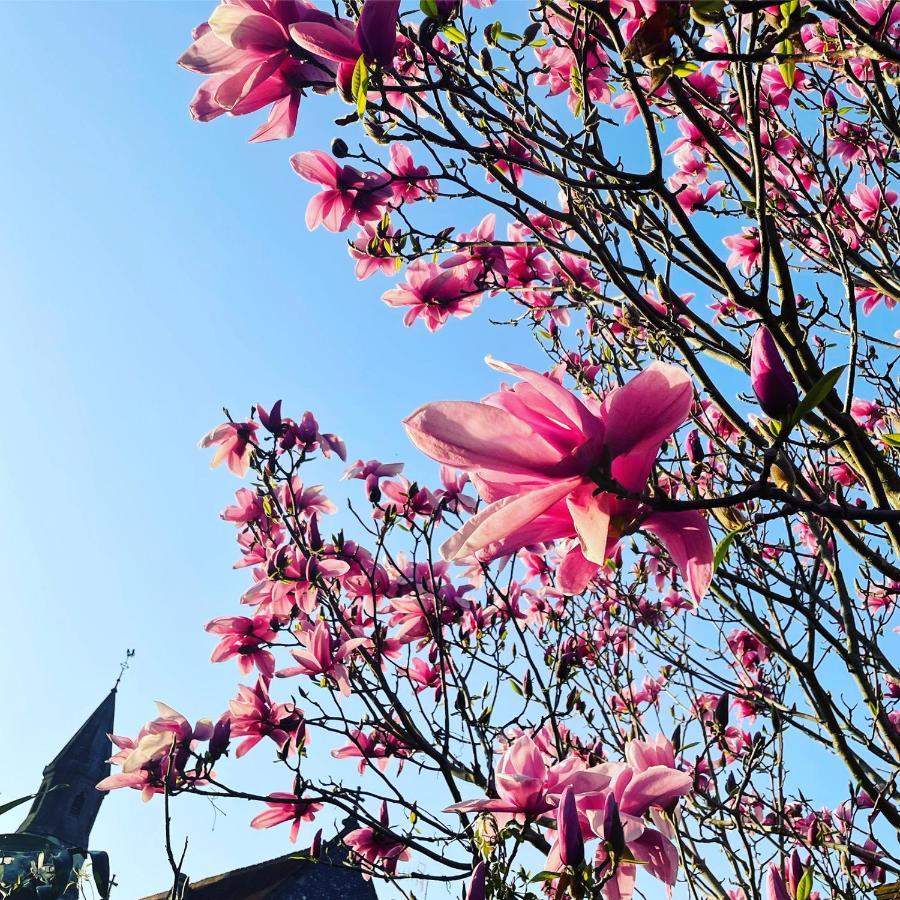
722 549
453 34
429 7
360 85
817 393
804 885
787 67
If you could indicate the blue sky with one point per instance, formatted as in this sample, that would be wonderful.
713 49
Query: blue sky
154 270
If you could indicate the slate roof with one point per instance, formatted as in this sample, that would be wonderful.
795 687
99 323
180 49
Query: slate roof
283 878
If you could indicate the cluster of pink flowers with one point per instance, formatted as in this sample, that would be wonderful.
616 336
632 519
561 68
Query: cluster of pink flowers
623 805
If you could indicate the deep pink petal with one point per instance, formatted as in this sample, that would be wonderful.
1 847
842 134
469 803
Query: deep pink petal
575 412
590 516
316 166
500 521
575 572
640 415
327 41
245 29
656 786
686 537
282 120
469 435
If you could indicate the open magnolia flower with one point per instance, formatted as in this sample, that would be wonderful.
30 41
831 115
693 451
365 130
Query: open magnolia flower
538 456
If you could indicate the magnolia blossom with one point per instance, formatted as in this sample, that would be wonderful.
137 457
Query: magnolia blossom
286 808
157 756
348 196
646 784
323 655
251 61
434 294
377 848
234 442
539 456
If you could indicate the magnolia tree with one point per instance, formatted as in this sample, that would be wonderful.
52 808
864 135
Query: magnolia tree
640 629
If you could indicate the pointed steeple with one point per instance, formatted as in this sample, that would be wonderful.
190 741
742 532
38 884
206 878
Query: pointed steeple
68 800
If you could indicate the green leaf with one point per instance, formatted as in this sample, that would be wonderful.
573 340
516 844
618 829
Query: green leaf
544 876
682 70
452 33
516 687
892 439
722 549
804 885
787 10
429 7
359 86
540 42
787 67
817 393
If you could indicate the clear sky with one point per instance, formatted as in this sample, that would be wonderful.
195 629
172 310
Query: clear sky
152 271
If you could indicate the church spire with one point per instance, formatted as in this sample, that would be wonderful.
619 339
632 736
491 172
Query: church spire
68 801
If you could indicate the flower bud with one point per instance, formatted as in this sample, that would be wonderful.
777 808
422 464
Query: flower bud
571 842
478 883
775 886
772 383
221 736
376 30
692 446
613 833
315 848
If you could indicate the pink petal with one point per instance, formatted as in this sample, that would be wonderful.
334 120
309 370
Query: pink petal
640 415
575 412
316 166
282 120
575 572
326 41
244 29
656 786
469 435
686 537
208 55
591 519
501 520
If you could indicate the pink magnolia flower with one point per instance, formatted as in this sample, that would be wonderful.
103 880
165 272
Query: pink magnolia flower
410 182
234 445
348 196
247 509
245 639
522 778
538 455
158 755
254 716
746 250
478 251
286 808
322 654
377 847
871 203
246 51
434 294
374 36
373 251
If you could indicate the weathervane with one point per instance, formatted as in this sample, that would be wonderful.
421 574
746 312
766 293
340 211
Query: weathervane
122 667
